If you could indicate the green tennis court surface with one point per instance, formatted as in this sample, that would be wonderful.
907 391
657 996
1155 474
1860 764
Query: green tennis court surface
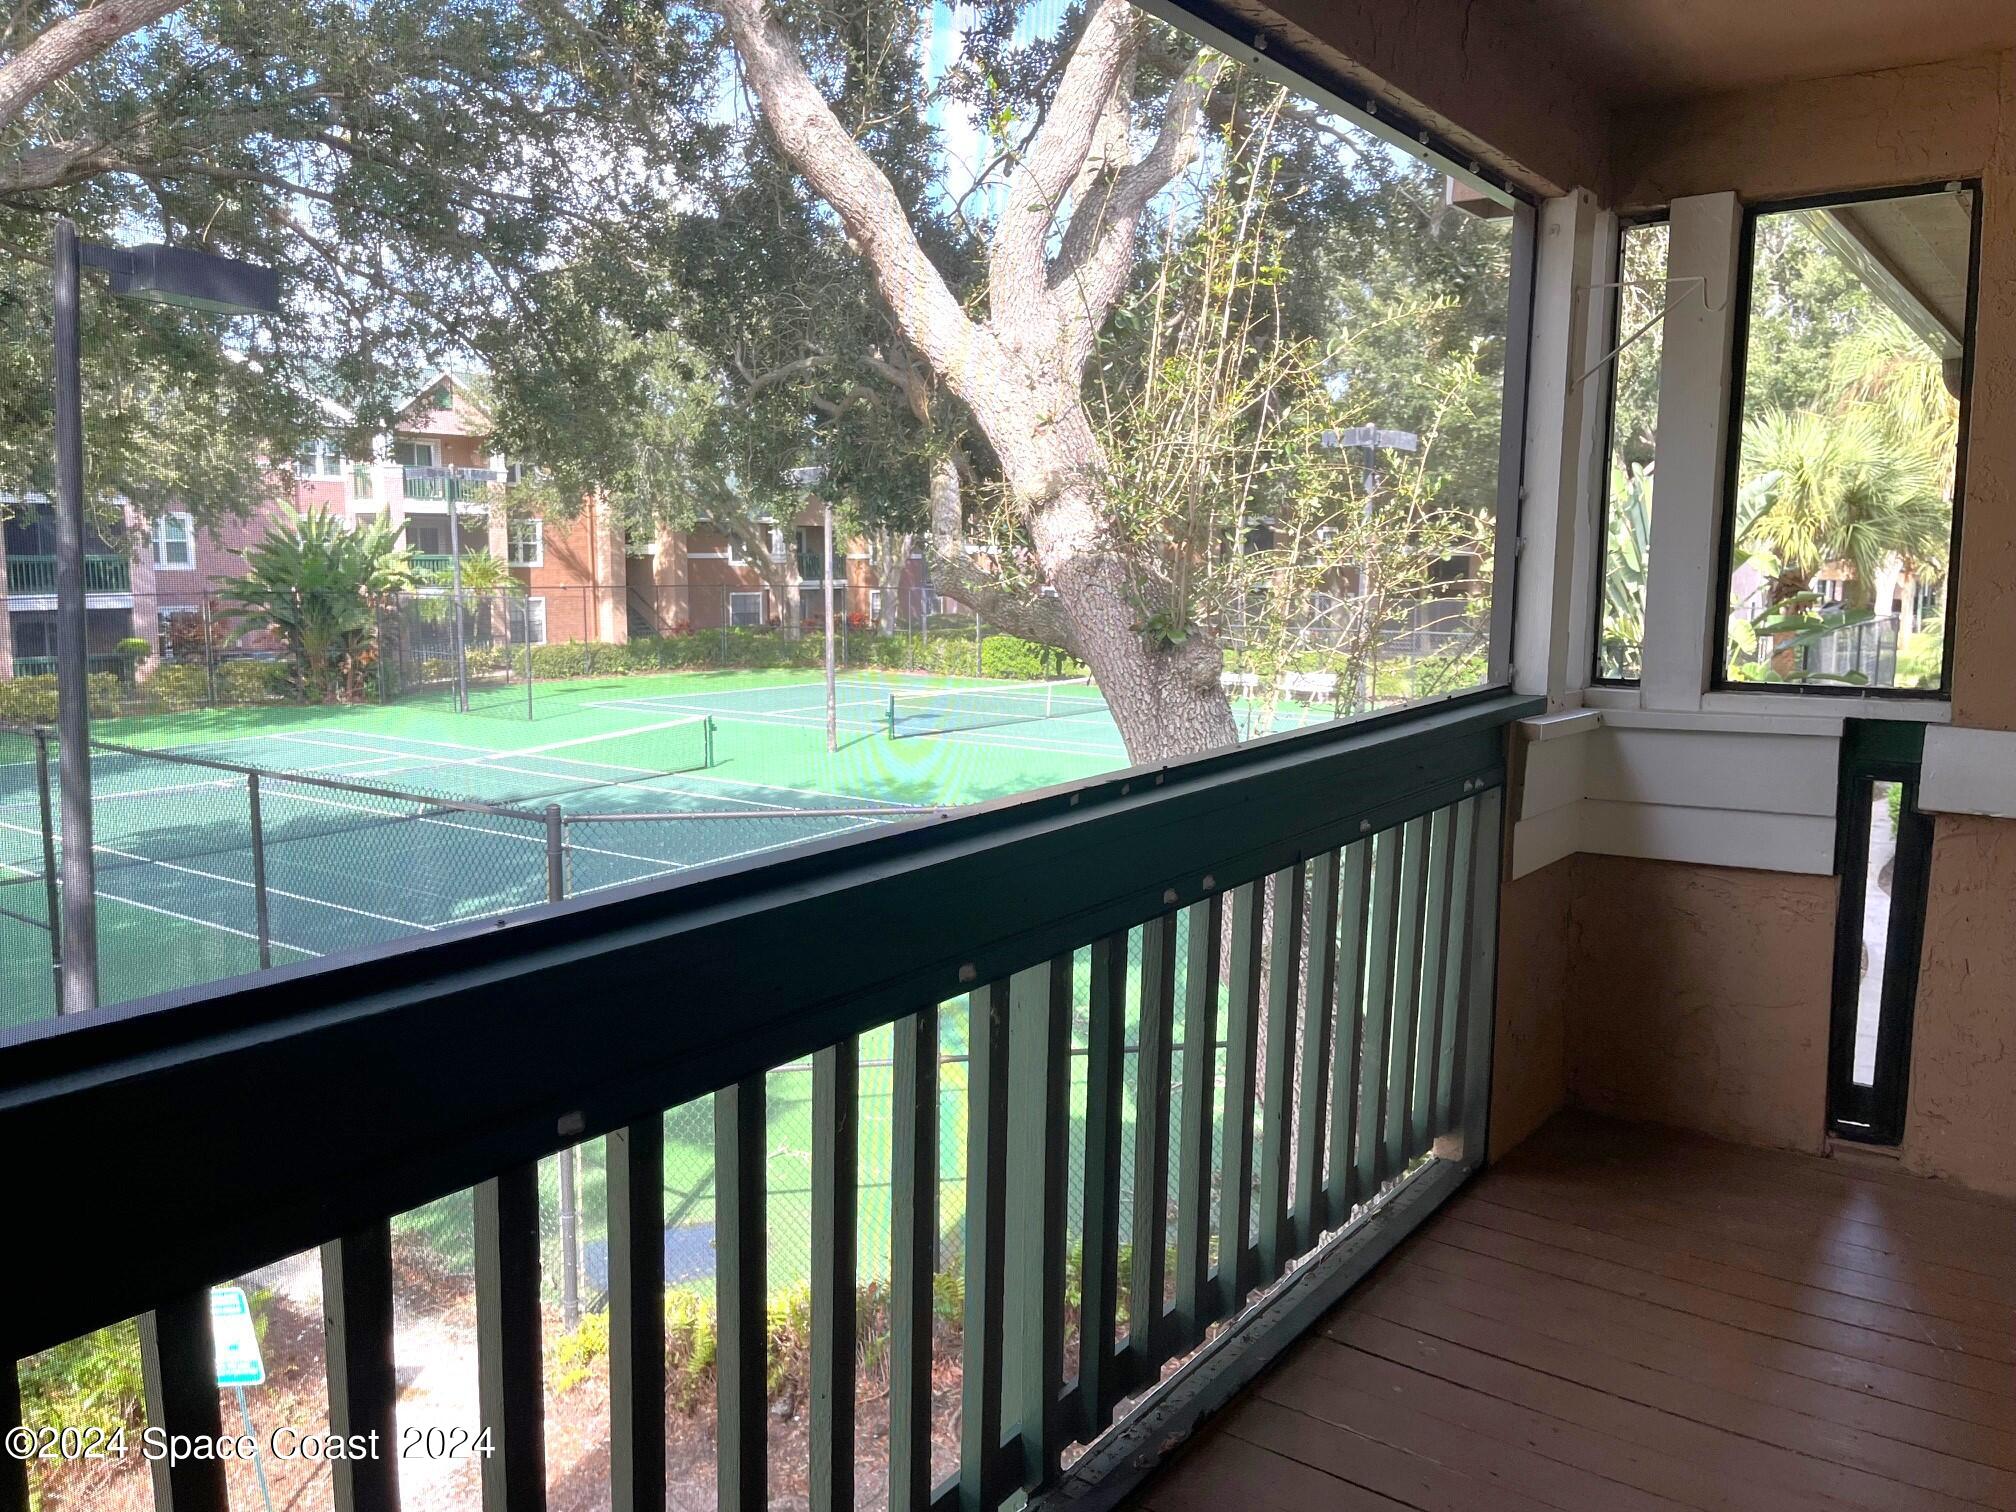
347 870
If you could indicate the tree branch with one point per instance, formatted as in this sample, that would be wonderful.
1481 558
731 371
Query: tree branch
74 40
954 571
1098 250
926 312
1104 51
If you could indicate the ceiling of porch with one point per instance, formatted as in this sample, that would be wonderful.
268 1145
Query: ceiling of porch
1637 52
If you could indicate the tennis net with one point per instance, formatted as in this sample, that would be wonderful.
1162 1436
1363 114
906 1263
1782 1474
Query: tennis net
940 711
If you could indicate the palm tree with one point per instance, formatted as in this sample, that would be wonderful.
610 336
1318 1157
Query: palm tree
318 584
1829 488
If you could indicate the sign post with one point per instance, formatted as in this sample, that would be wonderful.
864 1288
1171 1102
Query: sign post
235 1341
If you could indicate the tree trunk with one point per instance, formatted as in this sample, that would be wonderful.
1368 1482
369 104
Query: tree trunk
1168 701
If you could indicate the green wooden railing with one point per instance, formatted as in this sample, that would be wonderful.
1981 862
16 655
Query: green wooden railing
45 666
1275 966
428 561
37 574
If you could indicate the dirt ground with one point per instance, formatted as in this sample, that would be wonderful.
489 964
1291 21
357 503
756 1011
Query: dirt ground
436 1344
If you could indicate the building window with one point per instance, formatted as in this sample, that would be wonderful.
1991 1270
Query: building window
320 459
1642 297
174 542
1840 530
525 543
528 621
745 608
875 601
415 453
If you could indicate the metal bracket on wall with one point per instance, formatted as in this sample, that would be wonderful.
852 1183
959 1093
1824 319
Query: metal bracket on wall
1694 282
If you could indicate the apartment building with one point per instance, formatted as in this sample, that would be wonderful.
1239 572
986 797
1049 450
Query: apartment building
156 579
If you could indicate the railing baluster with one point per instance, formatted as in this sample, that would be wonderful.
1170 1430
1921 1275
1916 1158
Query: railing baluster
1449 1011
742 1325
1099 1279
1348 1046
913 1251
1242 1048
13 1468
836 1095
1200 1082
363 1384
981 1487
1284 984
509 1391
1039 1060
1473 1076
636 1179
1406 1000
1378 1011
1145 1328
1318 1003
178 1370
1435 967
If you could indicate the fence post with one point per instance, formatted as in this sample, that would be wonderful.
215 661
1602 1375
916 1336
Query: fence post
52 898
259 871
209 653
525 622
556 854
570 1248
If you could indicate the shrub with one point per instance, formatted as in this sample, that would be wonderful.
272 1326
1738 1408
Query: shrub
1011 656
32 700
88 1383
177 687
253 682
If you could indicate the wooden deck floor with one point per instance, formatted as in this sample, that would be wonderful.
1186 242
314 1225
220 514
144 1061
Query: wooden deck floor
1620 1319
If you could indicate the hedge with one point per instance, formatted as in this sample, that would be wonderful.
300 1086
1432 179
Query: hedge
32 700
1005 656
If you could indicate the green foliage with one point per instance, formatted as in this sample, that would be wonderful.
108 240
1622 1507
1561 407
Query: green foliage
574 1354
32 700
133 648
1921 657
253 682
318 583
88 1383
692 1341
480 573
177 686
1011 656
1626 556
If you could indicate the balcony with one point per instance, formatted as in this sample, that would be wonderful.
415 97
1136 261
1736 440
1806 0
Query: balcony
1161 914
35 576
430 561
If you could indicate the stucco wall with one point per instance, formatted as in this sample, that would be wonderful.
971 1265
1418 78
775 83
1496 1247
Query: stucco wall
1962 1118
1529 1075
1858 131
1702 997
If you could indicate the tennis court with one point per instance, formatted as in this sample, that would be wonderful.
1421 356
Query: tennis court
381 823
376 824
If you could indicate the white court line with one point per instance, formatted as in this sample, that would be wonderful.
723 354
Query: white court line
197 871
243 934
678 866
775 787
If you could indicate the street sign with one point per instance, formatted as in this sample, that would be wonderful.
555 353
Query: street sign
234 1339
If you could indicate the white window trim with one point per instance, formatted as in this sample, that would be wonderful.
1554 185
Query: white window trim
162 542
329 463
512 556
755 594
524 607
433 451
